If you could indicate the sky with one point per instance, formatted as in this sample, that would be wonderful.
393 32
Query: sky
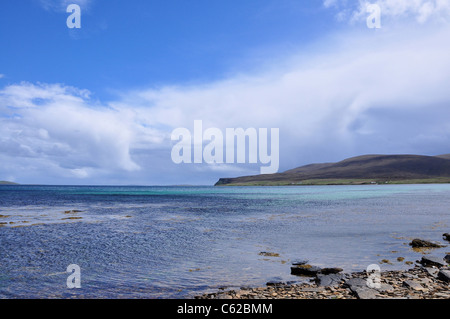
97 105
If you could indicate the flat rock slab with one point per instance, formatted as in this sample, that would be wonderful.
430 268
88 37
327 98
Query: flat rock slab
359 287
365 293
385 288
413 285
432 261
444 275
433 272
330 280
355 282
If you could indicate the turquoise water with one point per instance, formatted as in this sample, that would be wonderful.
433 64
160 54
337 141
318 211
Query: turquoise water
176 242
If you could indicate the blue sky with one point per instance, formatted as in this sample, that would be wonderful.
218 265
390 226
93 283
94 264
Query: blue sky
150 43
97 105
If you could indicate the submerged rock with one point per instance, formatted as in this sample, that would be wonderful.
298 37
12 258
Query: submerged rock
275 283
332 270
300 262
420 243
269 254
305 270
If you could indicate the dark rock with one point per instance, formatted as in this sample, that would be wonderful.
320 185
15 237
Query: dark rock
444 275
276 281
305 270
428 261
446 236
420 243
299 262
447 258
269 254
330 280
332 270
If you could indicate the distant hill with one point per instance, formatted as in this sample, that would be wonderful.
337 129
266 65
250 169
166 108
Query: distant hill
366 169
7 183
446 156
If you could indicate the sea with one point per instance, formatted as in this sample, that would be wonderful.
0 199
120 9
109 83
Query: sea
178 242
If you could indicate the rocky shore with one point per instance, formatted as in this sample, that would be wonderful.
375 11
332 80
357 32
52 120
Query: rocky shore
429 278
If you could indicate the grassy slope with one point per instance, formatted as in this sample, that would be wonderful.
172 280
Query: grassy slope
7 183
367 169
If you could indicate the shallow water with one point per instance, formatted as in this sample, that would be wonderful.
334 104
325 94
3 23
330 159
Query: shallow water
176 242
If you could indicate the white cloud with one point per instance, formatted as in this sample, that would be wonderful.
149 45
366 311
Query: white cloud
421 11
61 125
323 99
330 3
61 5
383 92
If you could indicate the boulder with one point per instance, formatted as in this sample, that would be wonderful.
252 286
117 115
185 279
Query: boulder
446 236
428 261
331 270
447 258
420 243
305 270
444 275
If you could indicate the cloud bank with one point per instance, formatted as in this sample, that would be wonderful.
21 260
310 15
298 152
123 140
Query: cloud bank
421 11
61 5
354 93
